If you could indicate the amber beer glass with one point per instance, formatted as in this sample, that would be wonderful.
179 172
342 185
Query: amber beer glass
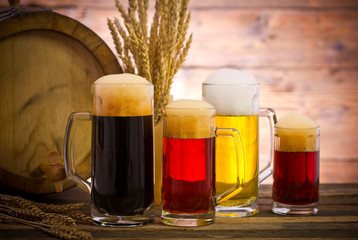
235 95
122 187
188 186
296 171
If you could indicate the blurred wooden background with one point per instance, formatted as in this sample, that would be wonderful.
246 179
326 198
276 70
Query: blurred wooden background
304 53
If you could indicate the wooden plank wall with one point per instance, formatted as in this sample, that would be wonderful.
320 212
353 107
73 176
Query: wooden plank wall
303 53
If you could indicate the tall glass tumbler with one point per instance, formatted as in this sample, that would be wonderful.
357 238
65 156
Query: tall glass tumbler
296 171
188 186
122 184
235 95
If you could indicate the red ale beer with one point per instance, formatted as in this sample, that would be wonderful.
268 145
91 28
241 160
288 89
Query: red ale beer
188 181
296 177
296 166
188 170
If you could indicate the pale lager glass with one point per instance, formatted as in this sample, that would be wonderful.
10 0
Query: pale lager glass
235 95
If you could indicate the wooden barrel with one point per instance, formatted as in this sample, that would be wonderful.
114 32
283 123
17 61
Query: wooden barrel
47 65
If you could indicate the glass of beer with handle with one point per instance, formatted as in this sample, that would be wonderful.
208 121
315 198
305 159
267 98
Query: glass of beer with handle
122 185
235 95
188 186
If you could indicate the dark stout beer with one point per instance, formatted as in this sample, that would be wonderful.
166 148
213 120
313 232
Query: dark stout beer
122 172
122 182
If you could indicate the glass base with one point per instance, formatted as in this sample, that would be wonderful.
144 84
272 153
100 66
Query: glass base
238 211
285 209
123 221
187 220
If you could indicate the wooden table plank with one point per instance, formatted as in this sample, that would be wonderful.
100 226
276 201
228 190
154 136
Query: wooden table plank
337 218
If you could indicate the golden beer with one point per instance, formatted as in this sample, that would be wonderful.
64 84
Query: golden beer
236 96
226 161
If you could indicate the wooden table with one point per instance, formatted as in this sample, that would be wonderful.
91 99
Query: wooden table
337 218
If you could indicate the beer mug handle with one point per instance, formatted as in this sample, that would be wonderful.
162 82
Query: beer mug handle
68 149
231 132
271 118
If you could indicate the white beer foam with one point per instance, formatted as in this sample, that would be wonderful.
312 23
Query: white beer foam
232 92
189 119
297 133
122 95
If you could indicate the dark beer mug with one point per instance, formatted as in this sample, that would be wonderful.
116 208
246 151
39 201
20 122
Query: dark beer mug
188 186
122 187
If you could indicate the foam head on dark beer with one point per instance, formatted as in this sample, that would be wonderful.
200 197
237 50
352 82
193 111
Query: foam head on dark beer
232 92
297 133
189 119
122 95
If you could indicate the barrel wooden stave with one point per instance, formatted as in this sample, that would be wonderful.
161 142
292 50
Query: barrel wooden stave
48 63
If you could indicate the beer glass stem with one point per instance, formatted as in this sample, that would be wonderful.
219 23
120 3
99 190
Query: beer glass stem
231 132
271 118
68 149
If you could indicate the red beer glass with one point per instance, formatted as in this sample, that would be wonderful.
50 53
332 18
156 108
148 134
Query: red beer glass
296 171
188 184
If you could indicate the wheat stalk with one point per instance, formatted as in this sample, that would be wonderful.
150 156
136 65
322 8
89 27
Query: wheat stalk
28 204
59 208
60 230
79 217
37 214
57 220
156 57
